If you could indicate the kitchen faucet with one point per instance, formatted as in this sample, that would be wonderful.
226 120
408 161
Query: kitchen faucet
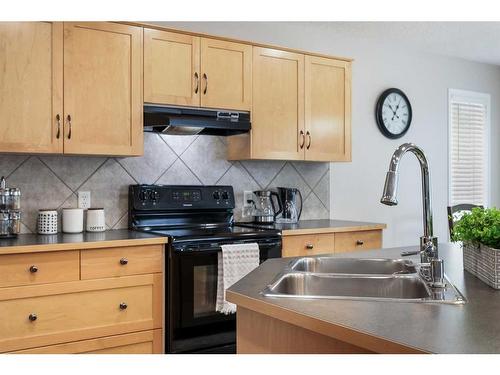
432 267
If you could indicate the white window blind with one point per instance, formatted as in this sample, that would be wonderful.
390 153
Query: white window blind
468 159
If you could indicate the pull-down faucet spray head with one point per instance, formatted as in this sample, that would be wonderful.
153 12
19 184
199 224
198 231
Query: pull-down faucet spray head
428 242
389 196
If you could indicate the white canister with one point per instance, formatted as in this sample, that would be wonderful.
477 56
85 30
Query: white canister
96 221
72 220
47 221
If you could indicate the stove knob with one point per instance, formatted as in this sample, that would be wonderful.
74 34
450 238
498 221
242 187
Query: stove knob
142 195
225 195
155 195
216 195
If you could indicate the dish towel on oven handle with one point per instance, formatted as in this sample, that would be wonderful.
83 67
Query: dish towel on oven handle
233 263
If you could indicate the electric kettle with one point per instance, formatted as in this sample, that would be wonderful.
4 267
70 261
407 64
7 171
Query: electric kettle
291 204
264 210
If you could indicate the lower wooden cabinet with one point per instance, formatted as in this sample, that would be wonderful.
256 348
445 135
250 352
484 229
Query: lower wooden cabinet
362 240
309 244
103 310
329 243
145 342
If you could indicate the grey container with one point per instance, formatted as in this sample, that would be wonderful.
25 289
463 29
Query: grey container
483 262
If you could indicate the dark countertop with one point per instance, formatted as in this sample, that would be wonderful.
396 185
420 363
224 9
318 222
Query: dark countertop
64 241
326 226
436 328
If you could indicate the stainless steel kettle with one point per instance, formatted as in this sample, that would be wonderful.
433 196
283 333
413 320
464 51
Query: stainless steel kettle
264 208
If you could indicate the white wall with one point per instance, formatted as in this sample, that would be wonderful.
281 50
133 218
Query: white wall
356 187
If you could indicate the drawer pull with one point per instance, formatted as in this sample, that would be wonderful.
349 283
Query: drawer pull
124 261
33 269
32 317
123 306
360 242
309 246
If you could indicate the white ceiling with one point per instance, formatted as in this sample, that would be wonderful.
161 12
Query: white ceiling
475 41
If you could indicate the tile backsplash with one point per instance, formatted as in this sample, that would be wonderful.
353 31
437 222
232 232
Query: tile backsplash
53 181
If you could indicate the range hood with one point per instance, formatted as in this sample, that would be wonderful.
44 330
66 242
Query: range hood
190 121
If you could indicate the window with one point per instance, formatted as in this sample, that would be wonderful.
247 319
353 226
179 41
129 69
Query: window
469 116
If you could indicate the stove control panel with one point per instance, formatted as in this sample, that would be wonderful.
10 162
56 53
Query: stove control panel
174 197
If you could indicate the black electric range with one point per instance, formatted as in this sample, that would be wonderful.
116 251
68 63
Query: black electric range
197 220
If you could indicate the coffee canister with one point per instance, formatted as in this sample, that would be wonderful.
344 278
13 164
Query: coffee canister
96 221
47 221
72 220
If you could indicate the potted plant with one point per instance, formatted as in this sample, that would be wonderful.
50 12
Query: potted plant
479 231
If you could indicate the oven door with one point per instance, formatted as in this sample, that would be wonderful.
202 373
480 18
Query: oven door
195 324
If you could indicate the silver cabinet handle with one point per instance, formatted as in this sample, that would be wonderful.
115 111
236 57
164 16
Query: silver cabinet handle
69 123
310 140
197 78
33 269
206 83
303 139
309 246
58 119
32 317
123 306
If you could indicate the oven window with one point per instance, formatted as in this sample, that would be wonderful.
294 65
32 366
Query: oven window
204 290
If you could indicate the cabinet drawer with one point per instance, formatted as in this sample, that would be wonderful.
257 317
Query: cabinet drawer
362 240
145 342
39 268
54 313
310 244
121 261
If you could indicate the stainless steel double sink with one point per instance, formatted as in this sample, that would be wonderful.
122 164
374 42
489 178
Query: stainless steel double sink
359 279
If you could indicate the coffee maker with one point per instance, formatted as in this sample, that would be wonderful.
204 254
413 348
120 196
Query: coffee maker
291 204
264 208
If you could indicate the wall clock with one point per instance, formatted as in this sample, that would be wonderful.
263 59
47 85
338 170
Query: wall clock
393 113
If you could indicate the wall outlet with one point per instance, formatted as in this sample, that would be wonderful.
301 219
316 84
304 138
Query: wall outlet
84 199
247 208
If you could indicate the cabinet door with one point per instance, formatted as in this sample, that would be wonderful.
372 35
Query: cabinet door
31 87
102 89
278 104
327 109
226 74
171 68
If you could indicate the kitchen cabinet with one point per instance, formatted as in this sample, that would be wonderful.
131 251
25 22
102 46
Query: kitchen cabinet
327 109
182 69
31 87
227 74
106 300
330 243
94 68
301 109
103 88
171 68
278 105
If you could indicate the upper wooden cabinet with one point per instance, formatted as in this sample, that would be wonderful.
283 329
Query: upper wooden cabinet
301 109
278 104
327 109
171 68
102 76
226 70
103 89
31 86
188 70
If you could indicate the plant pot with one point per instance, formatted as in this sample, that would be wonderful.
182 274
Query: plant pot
483 262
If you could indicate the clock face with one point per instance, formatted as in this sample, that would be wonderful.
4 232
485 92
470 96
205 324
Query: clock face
393 113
